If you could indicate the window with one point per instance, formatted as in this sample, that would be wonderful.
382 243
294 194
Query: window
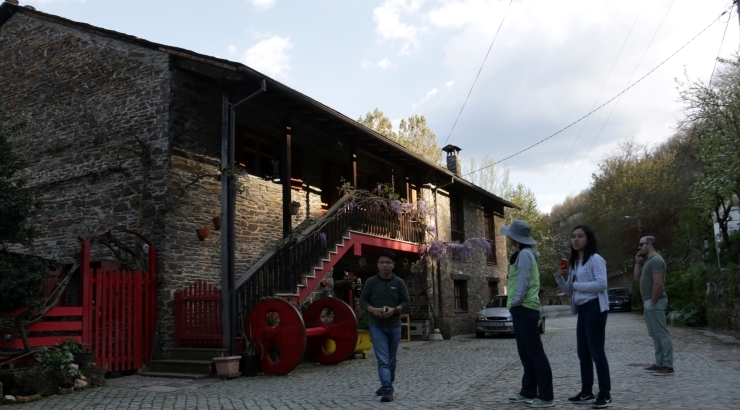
461 295
259 154
456 218
489 230
492 289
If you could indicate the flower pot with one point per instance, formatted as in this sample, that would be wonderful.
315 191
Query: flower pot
250 365
227 367
294 207
203 233
217 222
82 357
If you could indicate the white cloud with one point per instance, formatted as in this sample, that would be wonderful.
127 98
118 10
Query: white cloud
232 49
429 95
388 23
366 64
449 85
261 5
385 64
270 56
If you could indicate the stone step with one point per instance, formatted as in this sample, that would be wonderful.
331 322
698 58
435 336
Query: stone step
194 353
176 375
181 366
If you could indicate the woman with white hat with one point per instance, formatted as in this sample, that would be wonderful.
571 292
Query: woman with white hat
523 288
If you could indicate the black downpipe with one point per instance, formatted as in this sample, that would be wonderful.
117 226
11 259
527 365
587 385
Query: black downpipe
229 198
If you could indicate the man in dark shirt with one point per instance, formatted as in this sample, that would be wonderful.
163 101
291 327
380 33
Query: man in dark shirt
384 297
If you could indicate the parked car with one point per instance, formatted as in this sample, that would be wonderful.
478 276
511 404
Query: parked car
495 318
619 299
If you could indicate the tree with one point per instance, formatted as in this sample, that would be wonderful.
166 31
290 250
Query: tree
378 122
416 135
413 134
488 176
714 112
528 211
635 192
21 276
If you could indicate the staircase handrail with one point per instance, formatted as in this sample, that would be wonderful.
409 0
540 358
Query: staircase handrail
320 222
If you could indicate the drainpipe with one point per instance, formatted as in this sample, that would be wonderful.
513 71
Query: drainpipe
439 267
228 210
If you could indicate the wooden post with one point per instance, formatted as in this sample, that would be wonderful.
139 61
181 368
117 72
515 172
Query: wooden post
285 179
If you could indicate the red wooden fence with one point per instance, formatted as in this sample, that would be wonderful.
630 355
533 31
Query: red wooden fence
121 308
117 317
57 325
198 315
119 311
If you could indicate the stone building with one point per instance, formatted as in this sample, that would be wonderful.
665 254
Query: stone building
125 132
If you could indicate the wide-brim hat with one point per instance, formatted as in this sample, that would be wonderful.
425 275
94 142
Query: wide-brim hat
519 231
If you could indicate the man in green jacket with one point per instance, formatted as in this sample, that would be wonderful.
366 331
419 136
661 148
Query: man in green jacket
385 297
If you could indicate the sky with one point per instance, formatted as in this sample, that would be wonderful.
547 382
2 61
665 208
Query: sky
551 63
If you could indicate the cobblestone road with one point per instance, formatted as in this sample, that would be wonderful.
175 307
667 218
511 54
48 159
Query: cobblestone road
463 373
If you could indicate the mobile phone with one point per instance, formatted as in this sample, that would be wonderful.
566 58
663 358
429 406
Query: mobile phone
563 263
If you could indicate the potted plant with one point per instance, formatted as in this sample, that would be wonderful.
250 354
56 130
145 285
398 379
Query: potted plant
79 354
251 358
294 207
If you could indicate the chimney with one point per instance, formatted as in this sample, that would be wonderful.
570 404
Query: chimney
453 159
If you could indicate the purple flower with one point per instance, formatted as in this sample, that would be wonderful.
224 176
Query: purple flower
437 250
396 207
322 238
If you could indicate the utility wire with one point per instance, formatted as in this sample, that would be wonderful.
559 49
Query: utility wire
602 105
479 71
617 103
595 101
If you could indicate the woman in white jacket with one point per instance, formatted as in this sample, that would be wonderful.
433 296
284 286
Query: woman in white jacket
586 285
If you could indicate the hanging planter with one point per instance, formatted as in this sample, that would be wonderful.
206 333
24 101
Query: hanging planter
203 233
217 222
294 207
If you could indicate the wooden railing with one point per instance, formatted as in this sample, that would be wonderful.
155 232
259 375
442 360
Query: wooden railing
281 269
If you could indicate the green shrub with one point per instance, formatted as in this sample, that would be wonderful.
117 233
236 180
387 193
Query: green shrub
718 319
691 315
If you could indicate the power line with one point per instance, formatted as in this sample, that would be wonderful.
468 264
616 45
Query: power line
479 71
595 101
602 105
620 97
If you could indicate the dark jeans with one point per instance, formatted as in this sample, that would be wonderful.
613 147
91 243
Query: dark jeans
590 336
537 377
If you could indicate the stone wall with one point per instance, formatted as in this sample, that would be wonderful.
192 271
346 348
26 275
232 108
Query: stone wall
96 107
723 299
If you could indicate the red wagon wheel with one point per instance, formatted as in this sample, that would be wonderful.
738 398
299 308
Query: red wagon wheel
330 318
278 327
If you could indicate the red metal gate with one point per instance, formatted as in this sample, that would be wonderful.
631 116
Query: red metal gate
119 311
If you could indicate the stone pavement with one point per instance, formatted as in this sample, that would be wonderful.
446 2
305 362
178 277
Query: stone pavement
462 373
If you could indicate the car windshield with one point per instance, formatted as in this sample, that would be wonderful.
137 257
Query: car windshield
496 302
618 292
